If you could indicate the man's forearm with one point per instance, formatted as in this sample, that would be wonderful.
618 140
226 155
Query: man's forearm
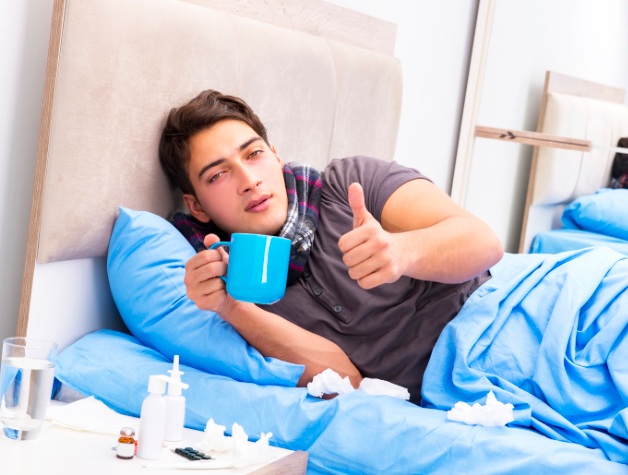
452 251
275 337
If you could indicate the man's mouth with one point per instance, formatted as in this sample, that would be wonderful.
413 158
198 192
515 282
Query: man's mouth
260 204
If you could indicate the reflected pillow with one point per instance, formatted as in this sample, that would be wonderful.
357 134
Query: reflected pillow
146 267
605 212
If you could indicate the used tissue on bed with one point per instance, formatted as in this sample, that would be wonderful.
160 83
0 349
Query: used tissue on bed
492 414
330 382
215 438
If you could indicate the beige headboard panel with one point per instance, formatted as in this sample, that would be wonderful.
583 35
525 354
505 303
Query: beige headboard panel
563 175
123 64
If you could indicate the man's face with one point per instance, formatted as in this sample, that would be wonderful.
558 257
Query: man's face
238 180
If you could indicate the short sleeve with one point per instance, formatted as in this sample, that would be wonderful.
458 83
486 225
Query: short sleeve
378 178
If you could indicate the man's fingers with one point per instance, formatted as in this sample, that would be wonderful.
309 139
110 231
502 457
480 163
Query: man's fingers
203 258
364 269
210 240
356 201
354 238
206 272
223 253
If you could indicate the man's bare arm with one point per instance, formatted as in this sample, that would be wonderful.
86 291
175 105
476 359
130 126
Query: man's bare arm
275 337
423 234
270 334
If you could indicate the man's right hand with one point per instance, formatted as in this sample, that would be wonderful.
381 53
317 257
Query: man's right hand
202 278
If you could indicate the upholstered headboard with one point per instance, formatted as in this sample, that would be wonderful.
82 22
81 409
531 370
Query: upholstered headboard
577 109
115 69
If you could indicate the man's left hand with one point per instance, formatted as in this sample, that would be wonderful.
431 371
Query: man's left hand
374 256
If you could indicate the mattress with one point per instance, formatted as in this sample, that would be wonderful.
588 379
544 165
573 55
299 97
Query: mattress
561 240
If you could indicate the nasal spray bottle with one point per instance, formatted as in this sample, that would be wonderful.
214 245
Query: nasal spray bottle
153 417
175 405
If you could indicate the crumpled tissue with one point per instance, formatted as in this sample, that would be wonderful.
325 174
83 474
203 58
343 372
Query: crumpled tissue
330 382
90 415
379 387
243 452
215 438
492 414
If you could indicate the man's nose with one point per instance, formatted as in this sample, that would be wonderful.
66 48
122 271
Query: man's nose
249 181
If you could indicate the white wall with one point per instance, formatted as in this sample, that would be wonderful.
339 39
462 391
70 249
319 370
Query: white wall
24 34
582 38
434 40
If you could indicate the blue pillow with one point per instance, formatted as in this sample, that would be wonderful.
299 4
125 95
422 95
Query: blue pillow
146 267
605 212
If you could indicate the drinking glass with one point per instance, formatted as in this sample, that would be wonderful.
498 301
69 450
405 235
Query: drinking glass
26 377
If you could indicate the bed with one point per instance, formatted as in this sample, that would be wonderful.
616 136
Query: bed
114 69
577 109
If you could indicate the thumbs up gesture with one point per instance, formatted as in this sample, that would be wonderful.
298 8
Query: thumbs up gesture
374 256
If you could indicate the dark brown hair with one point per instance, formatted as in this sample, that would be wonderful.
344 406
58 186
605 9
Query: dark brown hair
202 112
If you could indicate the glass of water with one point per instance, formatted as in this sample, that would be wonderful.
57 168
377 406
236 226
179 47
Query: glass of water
26 377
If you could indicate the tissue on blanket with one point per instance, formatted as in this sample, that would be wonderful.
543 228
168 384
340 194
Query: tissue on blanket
329 382
90 415
379 387
492 414
215 438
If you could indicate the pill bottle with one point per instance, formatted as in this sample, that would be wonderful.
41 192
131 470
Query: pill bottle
126 443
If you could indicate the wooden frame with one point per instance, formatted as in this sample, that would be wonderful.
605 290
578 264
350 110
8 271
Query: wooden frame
40 166
560 83
473 96
293 464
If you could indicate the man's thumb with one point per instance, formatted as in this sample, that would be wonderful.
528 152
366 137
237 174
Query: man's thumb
356 201
210 240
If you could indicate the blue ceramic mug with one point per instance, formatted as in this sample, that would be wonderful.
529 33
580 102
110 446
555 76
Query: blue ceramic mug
258 267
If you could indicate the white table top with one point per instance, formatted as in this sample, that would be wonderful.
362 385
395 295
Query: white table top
61 451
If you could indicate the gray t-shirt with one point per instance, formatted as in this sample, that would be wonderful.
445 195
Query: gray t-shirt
387 332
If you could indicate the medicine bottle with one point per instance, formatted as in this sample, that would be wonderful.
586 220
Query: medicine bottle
126 443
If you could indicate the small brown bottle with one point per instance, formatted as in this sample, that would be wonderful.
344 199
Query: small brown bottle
126 444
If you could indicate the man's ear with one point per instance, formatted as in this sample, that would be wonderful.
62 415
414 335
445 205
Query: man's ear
272 147
195 208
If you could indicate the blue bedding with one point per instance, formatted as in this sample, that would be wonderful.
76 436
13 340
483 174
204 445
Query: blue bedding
548 335
353 433
561 240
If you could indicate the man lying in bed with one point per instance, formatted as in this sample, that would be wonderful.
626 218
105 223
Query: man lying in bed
381 258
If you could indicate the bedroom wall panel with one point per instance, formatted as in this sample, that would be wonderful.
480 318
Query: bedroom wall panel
289 81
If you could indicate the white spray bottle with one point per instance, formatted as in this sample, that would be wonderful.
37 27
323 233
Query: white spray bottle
153 418
175 405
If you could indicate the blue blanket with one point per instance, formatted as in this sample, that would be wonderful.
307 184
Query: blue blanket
353 433
547 334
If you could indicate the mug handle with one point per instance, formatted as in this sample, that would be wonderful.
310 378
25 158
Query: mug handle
221 243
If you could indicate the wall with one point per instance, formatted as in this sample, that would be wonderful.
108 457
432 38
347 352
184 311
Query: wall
24 34
580 38
434 41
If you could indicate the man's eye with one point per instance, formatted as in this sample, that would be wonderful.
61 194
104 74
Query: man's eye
256 153
216 176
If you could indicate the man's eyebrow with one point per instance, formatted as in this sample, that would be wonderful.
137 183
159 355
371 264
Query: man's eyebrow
211 165
249 142
221 160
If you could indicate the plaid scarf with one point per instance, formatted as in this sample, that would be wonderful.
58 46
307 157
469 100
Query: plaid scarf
304 187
